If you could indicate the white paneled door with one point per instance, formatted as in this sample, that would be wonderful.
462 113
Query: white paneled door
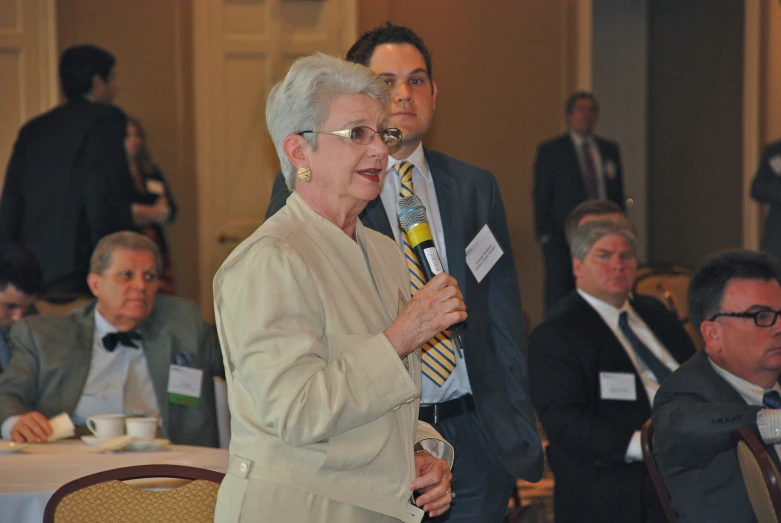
241 48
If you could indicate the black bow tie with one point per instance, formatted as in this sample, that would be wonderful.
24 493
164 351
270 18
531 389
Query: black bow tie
127 339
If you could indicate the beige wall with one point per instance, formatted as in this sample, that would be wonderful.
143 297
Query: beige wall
503 70
153 45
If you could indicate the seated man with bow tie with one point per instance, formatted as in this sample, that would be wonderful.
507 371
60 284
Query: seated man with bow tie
115 354
595 365
735 300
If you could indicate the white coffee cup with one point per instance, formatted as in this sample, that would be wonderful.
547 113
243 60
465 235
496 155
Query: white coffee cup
107 426
141 428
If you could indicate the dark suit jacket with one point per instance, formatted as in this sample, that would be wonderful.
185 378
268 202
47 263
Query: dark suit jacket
67 186
589 435
559 188
494 350
695 415
766 188
52 354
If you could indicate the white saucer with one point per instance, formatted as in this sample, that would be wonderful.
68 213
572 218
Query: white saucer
124 444
11 447
93 441
147 445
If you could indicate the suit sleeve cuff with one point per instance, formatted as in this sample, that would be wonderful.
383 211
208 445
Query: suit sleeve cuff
769 425
634 452
428 439
7 426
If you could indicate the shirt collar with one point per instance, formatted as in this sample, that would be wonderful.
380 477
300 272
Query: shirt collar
579 139
743 387
417 158
608 313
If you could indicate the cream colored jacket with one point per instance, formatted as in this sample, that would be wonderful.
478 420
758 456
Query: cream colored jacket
319 398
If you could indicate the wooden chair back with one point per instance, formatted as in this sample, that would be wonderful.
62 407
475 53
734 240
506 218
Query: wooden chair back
104 497
760 476
647 444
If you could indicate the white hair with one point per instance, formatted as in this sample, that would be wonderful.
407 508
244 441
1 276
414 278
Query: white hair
300 101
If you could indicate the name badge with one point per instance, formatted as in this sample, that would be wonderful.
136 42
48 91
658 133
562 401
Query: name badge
184 385
482 253
617 386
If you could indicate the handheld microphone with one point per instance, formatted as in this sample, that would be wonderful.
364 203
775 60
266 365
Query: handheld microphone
412 217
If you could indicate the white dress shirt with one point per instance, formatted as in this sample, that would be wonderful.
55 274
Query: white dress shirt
768 420
118 382
609 315
578 140
457 383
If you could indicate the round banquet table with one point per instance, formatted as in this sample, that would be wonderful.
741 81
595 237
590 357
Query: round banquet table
29 478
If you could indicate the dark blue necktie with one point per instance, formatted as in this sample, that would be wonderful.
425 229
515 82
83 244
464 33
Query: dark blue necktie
5 351
772 400
660 370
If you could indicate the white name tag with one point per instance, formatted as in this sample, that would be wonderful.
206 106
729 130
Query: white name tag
482 253
184 385
617 386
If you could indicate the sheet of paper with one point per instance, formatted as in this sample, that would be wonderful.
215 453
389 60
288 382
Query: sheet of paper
482 253
62 427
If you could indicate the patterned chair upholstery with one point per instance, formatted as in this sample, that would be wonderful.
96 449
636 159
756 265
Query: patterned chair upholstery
760 476
104 497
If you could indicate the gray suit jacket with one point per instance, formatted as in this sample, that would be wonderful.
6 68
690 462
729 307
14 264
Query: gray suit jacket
51 357
695 415
494 338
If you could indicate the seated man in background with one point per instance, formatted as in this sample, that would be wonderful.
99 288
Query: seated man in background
20 281
114 354
595 366
734 299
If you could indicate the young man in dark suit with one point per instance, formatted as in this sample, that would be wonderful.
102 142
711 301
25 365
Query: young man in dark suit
482 407
570 169
595 366
68 183
734 299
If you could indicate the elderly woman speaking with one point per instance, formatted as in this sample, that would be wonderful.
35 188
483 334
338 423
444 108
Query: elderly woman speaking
317 328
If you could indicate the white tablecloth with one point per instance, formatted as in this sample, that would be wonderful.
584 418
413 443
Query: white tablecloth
30 477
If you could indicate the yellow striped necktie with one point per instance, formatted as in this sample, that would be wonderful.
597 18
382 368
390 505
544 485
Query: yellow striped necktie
439 357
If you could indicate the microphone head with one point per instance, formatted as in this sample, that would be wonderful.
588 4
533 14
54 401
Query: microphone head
411 212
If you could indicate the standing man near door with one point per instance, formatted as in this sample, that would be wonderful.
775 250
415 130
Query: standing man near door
476 397
570 169
68 184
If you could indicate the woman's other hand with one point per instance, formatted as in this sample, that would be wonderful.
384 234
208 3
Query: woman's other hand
435 307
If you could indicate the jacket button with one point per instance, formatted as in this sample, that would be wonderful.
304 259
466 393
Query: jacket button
243 467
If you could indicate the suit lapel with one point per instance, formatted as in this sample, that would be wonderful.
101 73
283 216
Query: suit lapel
572 158
157 349
77 367
375 217
611 348
447 198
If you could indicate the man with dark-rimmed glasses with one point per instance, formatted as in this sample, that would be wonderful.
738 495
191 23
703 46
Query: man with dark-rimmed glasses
735 300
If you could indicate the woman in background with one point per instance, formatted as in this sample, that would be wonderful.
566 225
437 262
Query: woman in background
152 205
